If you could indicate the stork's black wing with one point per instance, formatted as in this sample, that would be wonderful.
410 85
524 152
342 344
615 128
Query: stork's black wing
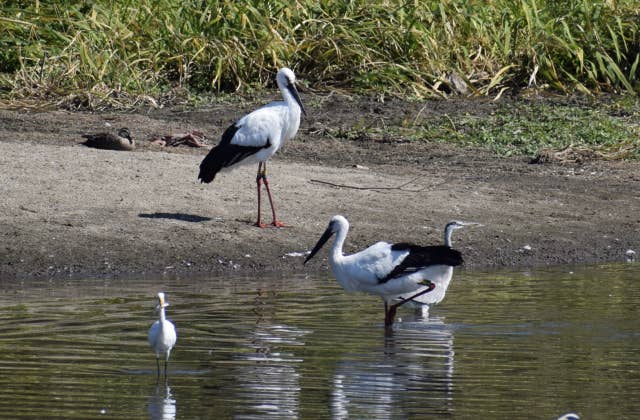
225 154
421 257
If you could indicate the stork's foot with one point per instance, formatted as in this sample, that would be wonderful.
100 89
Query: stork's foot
274 224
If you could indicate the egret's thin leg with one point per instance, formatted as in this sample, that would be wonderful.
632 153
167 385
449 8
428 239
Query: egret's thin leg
158 366
275 222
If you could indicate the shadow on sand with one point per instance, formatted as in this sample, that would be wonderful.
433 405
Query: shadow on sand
175 216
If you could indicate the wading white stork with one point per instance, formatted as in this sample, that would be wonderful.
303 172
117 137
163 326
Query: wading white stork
383 269
441 276
255 137
162 335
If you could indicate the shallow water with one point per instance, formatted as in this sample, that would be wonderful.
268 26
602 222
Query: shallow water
503 345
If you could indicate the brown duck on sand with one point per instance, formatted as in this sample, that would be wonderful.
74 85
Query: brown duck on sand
121 141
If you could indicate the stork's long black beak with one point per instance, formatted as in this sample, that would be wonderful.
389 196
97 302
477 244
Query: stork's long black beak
294 92
323 240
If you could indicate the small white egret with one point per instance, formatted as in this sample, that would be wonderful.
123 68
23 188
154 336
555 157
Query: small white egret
257 136
383 269
162 335
440 276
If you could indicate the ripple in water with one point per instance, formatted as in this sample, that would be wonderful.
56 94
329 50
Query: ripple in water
502 345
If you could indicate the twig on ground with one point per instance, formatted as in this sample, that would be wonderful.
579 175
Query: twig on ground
356 187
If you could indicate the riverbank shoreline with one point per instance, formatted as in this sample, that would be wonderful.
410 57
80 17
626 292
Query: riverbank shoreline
69 210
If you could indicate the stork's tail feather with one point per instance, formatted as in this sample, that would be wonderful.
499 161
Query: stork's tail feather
224 155
209 167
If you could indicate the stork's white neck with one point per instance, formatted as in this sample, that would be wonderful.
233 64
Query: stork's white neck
292 121
289 99
337 255
336 251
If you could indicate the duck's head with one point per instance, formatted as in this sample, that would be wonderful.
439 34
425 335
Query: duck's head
125 134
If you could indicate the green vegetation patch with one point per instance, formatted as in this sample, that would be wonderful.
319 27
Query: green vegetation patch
531 128
121 50
555 131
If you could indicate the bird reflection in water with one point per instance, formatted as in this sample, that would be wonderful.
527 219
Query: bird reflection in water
413 364
269 376
162 405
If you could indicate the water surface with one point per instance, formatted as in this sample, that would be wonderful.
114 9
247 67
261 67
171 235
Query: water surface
502 345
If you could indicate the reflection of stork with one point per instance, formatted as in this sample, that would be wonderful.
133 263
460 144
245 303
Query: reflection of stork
442 276
162 405
386 270
162 335
414 366
269 372
257 136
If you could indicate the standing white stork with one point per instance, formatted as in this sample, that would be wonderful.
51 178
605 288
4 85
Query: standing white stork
383 269
162 335
441 276
257 136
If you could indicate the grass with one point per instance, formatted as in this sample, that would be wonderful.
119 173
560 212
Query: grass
599 129
125 53
528 129
117 48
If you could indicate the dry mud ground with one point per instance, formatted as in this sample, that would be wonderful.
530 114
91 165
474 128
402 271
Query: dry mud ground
69 210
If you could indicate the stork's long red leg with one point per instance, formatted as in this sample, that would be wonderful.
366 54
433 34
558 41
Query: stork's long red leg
390 312
259 178
275 222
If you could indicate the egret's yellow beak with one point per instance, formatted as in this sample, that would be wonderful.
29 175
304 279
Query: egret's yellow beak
161 302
